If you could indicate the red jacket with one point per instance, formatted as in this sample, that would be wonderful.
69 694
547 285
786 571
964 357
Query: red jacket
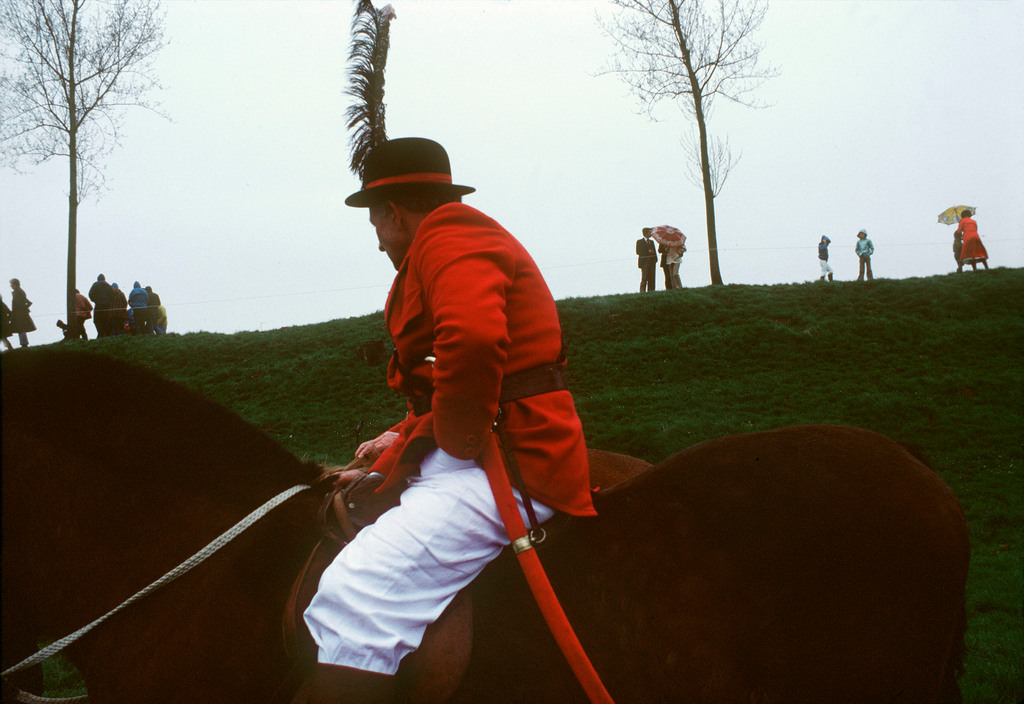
972 246
469 295
82 306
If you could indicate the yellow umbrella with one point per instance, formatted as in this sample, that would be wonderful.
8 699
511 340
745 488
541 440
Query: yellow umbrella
952 215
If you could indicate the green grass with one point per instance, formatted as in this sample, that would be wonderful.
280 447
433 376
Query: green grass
935 362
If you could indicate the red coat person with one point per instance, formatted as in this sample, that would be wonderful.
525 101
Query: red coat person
973 249
475 328
469 296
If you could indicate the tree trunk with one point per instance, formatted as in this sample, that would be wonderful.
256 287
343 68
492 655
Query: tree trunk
709 192
72 227
72 86
705 164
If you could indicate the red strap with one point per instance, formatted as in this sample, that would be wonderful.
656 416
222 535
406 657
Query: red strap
426 177
529 561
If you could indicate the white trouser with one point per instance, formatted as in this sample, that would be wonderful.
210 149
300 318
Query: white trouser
826 268
381 592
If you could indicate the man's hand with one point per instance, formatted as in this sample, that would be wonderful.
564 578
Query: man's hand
372 449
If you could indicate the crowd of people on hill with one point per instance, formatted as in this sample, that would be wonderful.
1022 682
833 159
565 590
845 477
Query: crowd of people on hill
142 313
112 312
967 249
138 313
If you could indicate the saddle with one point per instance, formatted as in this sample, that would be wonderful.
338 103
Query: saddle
433 673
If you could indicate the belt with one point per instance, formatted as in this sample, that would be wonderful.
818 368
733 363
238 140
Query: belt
529 382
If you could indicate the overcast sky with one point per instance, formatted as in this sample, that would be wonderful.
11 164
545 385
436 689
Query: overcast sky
883 114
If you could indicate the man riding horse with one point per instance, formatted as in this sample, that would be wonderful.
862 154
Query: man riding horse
478 346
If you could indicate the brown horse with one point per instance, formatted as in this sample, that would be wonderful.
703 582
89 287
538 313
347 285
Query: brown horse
806 564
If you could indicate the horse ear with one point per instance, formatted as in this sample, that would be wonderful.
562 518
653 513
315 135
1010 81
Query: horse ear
373 352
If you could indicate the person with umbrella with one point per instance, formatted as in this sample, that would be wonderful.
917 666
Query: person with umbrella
671 257
972 250
671 245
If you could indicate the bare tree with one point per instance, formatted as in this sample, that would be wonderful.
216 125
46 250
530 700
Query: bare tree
70 68
695 51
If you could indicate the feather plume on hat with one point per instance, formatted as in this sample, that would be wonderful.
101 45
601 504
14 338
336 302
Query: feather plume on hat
366 61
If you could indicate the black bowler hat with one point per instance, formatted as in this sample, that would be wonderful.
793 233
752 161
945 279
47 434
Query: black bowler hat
405 162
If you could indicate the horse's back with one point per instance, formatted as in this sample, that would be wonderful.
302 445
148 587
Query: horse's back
817 563
819 558
806 564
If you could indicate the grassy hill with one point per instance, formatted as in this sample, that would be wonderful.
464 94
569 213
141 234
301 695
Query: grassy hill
933 362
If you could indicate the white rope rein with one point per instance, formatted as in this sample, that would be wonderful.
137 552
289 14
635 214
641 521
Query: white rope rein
27 698
217 544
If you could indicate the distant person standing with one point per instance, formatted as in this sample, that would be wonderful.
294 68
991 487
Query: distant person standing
83 311
153 311
647 260
864 249
160 324
102 295
663 251
973 251
826 268
118 311
138 300
670 259
5 324
21 321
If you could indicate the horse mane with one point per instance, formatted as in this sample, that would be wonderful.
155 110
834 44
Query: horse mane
99 405
114 475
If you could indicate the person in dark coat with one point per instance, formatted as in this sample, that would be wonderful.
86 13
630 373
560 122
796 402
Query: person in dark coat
101 294
21 321
663 251
118 311
5 323
153 311
647 260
